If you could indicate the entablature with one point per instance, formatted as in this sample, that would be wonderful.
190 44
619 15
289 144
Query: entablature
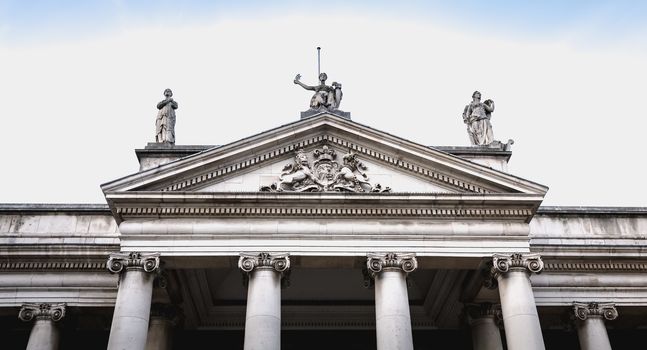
419 206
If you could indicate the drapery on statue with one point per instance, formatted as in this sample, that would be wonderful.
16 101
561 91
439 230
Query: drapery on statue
165 122
328 97
477 116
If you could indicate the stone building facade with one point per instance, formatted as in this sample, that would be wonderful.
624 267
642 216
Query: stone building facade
317 234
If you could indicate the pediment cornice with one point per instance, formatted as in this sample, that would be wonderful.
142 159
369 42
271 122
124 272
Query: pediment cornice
218 164
472 190
225 171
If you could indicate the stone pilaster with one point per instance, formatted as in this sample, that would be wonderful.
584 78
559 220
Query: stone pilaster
589 319
44 334
392 316
484 320
264 272
520 318
132 309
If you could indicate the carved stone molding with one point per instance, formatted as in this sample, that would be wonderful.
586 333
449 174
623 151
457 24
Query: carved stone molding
68 265
149 262
583 311
321 171
474 312
559 266
376 263
44 311
229 169
322 211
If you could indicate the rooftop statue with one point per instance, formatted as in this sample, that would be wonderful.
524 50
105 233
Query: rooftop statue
476 116
165 122
326 96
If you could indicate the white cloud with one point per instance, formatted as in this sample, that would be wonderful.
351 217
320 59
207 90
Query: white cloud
74 111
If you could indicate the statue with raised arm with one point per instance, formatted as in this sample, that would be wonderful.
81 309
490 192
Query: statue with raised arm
165 122
328 97
476 116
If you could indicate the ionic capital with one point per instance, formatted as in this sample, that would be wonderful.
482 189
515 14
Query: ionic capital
164 311
585 310
475 312
44 311
502 263
149 262
483 310
279 262
376 263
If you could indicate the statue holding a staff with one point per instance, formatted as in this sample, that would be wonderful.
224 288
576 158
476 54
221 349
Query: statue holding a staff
326 96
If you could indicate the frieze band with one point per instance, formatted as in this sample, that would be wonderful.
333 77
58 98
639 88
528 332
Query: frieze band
149 262
54 312
585 310
322 211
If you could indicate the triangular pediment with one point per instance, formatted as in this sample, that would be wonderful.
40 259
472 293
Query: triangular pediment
326 141
327 171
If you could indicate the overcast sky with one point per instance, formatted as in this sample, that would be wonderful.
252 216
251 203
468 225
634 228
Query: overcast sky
79 82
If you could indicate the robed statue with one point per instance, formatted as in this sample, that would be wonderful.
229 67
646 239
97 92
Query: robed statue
326 96
165 122
476 116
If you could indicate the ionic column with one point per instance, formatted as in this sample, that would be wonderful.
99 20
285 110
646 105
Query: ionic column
132 309
44 334
263 315
160 327
392 317
484 322
591 330
520 318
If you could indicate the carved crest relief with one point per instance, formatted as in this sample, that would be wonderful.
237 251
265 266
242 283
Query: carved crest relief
322 171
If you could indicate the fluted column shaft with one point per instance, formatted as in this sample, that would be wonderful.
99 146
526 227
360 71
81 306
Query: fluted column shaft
263 314
44 334
129 328
392 316
591 330
520 318
484 323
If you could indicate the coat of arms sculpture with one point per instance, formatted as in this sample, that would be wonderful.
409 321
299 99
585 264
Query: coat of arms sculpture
321 172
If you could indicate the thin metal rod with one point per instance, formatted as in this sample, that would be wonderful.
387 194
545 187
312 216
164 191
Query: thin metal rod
318 61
